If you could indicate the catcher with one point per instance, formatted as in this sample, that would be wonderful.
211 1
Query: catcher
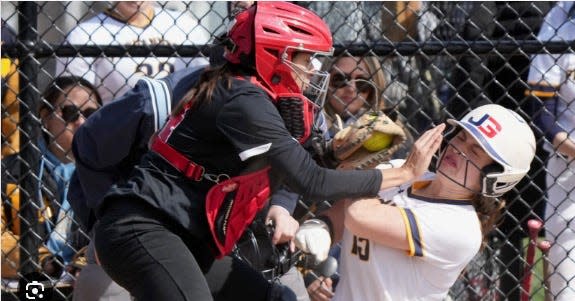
221 146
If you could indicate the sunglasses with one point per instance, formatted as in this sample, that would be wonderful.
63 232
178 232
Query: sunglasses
71 113
340 80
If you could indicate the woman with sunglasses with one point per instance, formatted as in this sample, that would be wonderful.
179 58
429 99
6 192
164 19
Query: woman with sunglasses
356 86
353 87
68 101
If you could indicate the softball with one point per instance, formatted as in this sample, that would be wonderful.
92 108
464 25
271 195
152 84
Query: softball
378 141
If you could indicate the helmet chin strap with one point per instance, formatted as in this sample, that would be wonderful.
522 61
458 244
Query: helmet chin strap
467 162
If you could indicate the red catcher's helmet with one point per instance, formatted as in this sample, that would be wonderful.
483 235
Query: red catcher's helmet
271 33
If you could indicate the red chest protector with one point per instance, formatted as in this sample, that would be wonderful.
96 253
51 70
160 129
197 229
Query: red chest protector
228 213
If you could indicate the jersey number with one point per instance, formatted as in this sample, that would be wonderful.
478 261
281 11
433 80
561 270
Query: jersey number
360 248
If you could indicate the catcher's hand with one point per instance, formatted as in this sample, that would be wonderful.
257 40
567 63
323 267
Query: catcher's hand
313 237
369 141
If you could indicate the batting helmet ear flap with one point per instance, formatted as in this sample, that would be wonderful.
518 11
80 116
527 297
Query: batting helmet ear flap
489 178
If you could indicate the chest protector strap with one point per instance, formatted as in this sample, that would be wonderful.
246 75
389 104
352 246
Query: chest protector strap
228 213
180 162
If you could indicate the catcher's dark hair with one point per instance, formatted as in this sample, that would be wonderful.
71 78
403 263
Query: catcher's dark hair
203 91
60 84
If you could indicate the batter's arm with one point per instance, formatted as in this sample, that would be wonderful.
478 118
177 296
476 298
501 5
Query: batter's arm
381 223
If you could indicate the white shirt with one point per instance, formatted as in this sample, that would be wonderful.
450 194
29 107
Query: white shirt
557 70
114 76
444 236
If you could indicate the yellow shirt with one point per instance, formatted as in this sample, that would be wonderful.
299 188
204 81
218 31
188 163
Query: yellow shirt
10 108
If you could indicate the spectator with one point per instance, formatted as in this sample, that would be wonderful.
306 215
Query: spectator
413 241
357 85
132 23
552 86
409 83
68 101
10 105
354 87
282 65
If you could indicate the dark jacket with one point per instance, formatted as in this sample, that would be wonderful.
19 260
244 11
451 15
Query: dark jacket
113 139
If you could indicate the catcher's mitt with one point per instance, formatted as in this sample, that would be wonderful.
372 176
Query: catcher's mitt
349 144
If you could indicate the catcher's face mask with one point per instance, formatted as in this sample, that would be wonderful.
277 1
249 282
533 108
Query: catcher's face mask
305 70
299 105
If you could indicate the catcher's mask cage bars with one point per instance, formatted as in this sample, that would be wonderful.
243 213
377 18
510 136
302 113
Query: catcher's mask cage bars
315 84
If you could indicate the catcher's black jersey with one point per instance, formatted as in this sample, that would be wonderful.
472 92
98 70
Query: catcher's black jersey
239 123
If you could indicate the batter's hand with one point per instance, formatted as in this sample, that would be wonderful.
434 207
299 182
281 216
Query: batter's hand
423 150
285 226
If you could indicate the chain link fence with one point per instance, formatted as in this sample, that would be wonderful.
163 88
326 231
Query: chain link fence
433 60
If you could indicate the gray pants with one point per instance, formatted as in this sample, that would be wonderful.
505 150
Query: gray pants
294 280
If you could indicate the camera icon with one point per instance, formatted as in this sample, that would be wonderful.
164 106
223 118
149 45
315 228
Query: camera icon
34 290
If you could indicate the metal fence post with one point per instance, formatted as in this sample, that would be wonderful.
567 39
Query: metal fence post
29 133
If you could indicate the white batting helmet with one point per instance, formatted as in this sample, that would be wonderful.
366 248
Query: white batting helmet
507 139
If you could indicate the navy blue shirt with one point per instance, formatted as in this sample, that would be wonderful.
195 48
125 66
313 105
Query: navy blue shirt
108 145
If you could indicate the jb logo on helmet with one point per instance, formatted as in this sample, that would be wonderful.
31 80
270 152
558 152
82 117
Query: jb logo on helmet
490 129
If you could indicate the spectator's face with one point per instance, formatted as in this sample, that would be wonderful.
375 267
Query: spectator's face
463 160
347 95
70 112
127 10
